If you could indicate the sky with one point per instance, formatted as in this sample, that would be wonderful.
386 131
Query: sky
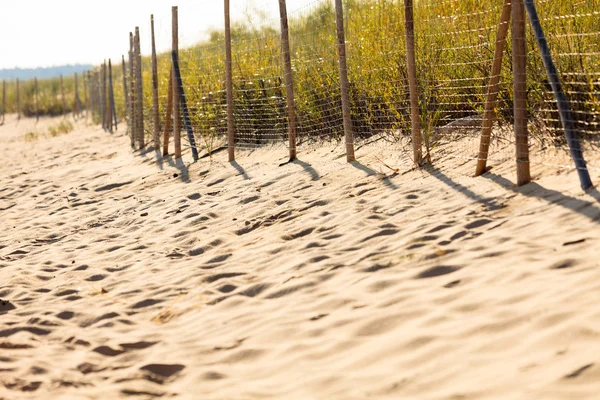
43 33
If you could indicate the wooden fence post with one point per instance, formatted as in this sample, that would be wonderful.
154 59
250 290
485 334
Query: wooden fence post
140 90
229 85
103 96
62 95
93 96
111 98
101 99
107 105
132 90
344 85
77 103
125 92
86 77
105 100
494 85
167 129
89 103
417 140
175 48
37 112
99 105
520 91
289 78
18 101
93 83
155 117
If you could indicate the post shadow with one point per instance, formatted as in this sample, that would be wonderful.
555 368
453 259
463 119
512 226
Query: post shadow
146 150
184 174
314 175
159 159
586 208
239 169
178 163
490 203
372 172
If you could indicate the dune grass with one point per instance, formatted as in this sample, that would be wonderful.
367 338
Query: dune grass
49 96
455 45
63 127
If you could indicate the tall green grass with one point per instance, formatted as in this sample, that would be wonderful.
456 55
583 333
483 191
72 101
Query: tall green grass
49 96
455 46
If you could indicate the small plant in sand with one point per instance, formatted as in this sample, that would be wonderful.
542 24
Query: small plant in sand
61 128
31 136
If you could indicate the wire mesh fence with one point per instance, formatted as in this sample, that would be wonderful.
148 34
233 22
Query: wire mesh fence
465 71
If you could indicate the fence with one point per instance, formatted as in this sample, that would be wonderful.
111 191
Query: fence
50 97
478 80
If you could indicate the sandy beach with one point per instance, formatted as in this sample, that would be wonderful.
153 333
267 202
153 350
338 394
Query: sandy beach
124 277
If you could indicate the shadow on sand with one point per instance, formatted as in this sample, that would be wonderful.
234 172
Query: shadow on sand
589 209
240 169
586 208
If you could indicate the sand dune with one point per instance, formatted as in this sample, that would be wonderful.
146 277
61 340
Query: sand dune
126 278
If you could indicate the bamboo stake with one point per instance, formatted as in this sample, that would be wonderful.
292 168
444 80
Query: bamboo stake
344 85
175 88
168 117
492 95
520 92
417 139
156 120
140 90
289 78
229 85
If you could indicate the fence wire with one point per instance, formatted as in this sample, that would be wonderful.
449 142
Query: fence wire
456 43
573 32
455 50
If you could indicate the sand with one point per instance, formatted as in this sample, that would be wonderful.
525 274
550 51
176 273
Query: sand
127 278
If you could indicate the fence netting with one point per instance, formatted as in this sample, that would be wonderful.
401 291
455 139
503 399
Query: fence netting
573 32
455 50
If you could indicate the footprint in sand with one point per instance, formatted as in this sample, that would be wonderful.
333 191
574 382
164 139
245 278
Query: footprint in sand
384 232
217 277
6 306
436 271
478 224
299 234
